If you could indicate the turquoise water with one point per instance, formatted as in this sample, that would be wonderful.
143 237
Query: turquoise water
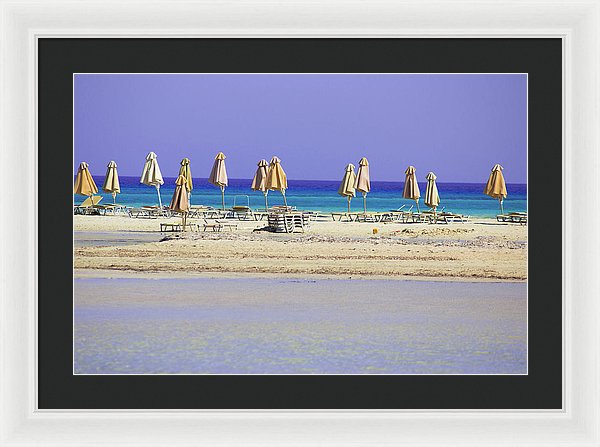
292 326
465 198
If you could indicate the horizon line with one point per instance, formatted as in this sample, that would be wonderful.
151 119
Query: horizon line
320 180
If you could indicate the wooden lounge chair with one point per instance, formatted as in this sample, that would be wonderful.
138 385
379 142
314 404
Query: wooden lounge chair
171 227
218 225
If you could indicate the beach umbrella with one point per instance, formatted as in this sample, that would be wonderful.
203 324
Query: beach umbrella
276 178
84 183
218 175
186 171
411 187
496 187
432 197
111 181
181 201
151 175
363 182
259 182
346 188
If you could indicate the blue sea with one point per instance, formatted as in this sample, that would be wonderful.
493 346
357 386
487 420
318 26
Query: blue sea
321 195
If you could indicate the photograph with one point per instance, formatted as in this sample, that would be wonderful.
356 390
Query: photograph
300 223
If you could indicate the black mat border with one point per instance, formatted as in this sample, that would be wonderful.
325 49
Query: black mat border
60 58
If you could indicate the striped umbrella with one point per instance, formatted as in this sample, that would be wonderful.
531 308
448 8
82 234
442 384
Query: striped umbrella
111 181
218 175
496 186
346 188
259 182
411 187
363 181
151 175
276 178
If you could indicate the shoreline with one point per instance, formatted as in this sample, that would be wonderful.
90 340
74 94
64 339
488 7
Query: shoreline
91 273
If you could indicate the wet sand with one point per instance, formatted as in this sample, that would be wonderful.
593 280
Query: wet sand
289 326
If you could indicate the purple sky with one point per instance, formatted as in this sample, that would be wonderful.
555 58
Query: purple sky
457 126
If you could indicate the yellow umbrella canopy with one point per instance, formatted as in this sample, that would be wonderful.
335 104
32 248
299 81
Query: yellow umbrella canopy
276 178
496 186
411 187
218 175
259 182
111 180
363 180
186 171
432 197
84 183
151 175
181 201
346 188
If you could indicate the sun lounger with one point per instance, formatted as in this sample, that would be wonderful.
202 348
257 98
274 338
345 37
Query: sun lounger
288 222
218 225
350 217
171 227
446 217
516 217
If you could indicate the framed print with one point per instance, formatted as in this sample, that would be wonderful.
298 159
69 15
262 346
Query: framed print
339 226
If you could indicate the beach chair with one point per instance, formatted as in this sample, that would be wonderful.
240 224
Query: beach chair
515 217
87 206
218 226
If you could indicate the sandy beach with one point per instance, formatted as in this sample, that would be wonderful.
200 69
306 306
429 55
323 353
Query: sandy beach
480 250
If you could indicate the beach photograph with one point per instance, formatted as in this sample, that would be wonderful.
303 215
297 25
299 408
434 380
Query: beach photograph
291 224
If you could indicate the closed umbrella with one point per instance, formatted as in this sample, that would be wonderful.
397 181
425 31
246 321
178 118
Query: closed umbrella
151 175
259 182
496 186
218 175
432 197
276 178
411 187
111 181
186 171
84 183
181 201
346 188
363 181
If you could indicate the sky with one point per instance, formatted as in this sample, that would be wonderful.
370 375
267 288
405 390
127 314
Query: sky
457 126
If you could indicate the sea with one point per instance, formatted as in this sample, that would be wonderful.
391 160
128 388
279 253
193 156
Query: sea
321 195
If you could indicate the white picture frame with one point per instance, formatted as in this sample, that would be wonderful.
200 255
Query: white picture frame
577 23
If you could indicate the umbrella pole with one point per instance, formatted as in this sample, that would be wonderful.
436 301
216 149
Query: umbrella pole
365 201
349 198
501 207
284 200
114 194
223 197
159 199
418 209
266 200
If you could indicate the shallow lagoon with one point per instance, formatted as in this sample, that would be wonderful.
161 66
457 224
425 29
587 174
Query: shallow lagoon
290 326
